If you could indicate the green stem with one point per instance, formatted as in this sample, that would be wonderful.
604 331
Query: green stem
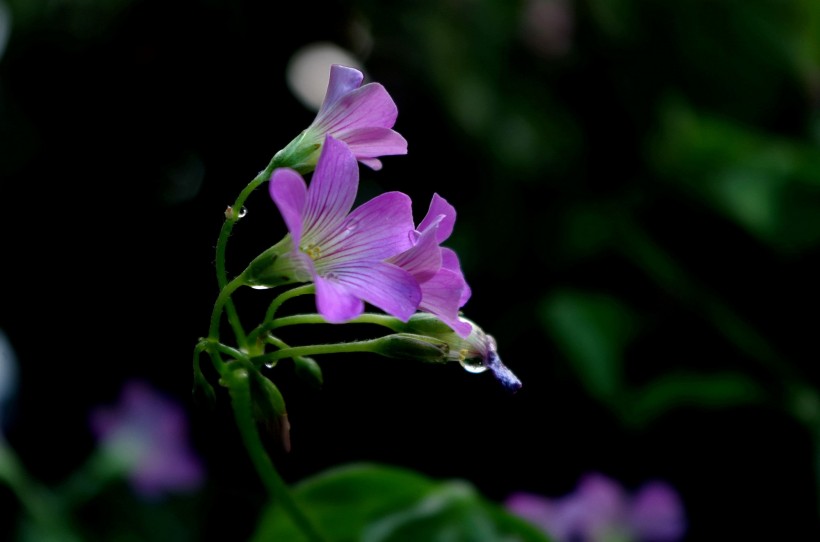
40 505
274 306
385 320
239 385
370 345
223 299
222 243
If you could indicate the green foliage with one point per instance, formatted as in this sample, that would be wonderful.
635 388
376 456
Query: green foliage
595 330
378 503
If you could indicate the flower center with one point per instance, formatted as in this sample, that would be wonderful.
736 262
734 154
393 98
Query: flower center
313 251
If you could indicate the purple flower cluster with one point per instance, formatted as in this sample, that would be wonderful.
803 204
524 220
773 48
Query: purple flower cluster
145 435
600 510
374 253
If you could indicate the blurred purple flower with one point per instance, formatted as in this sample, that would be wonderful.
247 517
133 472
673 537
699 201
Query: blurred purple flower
360 116
600 510
146 434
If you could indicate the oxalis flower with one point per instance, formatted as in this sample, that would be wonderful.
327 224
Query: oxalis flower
361 116
437 269
145 435
343 253
601 510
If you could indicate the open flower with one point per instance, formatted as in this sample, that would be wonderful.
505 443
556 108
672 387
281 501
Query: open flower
437 269
361 116
344 254
145 435
600 510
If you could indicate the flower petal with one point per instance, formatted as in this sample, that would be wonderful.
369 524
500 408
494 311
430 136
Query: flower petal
657 513
289 193
332 190
439 206
441 295
369 105
343 80
376 230
423 260
335 302
449 260
370 141
381 284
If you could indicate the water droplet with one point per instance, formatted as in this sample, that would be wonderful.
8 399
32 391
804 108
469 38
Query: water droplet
352 225
260 287
413 235
243 212
473 365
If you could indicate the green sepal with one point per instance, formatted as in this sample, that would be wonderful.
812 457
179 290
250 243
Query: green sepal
414 347
274 267
308 370
269 408
301 154
423 323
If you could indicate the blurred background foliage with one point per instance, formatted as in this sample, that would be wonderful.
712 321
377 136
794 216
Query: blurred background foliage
638 187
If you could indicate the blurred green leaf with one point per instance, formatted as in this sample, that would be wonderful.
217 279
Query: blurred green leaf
593 330
718 390
768 184
375 503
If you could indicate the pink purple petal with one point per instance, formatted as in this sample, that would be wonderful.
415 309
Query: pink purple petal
439 206
332 189
376 230
383 285
289 192
343 80
335 302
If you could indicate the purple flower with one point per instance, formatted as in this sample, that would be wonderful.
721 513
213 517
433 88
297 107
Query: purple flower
437 270
361 116
600 510
146 435
344 254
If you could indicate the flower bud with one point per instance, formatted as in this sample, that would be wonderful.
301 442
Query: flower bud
476 353
415 347
308 370
269 408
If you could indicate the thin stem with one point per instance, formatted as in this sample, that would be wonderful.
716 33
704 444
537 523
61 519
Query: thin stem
274 306
385 320
41 505
370 345
223 298
239 384
222 242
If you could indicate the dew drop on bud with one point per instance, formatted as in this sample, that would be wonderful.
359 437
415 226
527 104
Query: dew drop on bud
473 365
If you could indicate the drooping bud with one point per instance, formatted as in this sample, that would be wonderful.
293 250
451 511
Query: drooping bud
477 352
414 347
308 370
269 408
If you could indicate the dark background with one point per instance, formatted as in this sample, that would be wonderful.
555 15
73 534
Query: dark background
638 186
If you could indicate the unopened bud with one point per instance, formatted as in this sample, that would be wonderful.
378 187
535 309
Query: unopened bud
476 353
415 347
